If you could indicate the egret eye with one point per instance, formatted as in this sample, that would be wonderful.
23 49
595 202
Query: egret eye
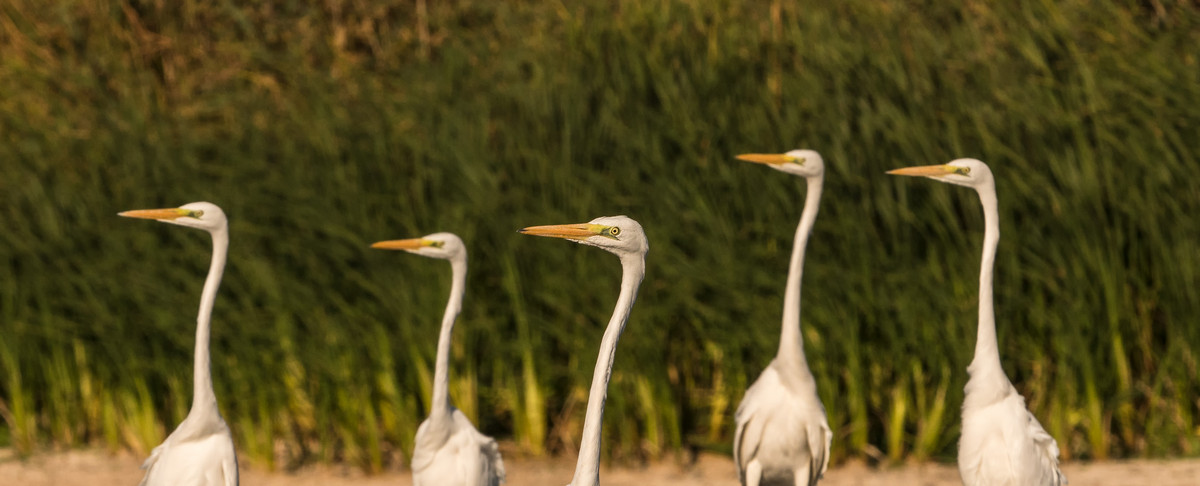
963 170
614 231
799 160
437 243
196 213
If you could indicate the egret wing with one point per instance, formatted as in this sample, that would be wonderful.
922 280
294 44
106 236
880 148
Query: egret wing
495 464
229 467
485 453
149 463
820 439
1047 449
738 437
750 428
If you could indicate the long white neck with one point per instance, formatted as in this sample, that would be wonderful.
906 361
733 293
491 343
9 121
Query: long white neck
791 343
587 469
986 364
204 400
441 373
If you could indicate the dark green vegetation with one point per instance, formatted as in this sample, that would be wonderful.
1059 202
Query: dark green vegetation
320 130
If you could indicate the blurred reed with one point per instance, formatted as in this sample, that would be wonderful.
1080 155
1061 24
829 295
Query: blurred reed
322 128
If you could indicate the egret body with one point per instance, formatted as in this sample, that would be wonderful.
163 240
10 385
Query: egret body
200 451
782 434
623 237
1002 443
449 451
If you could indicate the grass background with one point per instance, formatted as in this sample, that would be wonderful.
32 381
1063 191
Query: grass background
322 128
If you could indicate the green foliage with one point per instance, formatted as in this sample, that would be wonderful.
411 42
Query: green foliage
320 129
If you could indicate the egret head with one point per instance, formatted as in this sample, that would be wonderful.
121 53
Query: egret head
204 215
446 246
964 172
619 235
804 163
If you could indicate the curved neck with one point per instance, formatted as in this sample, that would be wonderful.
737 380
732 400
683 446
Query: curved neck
203 397
587 468
791 343
441 373
987 351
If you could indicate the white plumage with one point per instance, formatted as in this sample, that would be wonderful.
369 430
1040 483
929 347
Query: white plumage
200 455
200 451
449 451
1002 443
454 453
624 238
782 434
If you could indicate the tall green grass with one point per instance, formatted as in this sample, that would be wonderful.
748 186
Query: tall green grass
320 129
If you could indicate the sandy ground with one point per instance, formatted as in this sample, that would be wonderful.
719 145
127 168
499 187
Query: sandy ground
79 468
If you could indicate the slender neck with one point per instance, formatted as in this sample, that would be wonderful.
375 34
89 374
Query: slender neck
791 343
203 397
987 351
441 373
587 469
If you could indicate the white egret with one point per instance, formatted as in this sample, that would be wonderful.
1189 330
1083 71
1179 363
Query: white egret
200 451
623 237
782 434
1002 444
449 451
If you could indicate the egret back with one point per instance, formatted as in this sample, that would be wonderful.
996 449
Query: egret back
451 452
1003 444
193 461
783 429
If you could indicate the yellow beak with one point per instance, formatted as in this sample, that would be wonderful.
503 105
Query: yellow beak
409 244
769 159
568 231
925 170
159 214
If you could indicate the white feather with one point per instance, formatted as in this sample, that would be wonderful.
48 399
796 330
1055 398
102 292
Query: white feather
453 453
188 459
